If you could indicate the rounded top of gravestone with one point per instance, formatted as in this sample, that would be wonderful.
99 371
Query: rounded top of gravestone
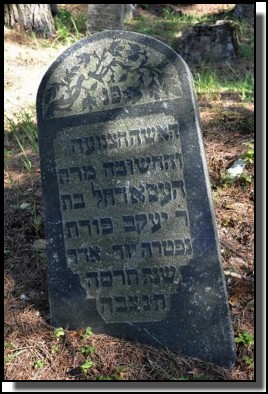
112 69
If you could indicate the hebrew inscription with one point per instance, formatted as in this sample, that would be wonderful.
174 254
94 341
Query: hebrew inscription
124 212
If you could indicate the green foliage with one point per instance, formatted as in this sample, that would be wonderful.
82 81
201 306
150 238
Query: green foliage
7 252
59 332
8 345
249 361
87 350
64 20
184 20
167 27
245 33
248 156
54 348
86 366
23 132
245 338
6 153
212 85
39 364
183 377
70 28
245 87
243 179
38 224
88 333
246 51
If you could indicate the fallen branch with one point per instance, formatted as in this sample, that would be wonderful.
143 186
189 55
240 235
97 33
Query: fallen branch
238 276
230 247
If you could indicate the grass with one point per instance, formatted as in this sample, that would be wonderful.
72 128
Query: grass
168 27
35 350
21 133
213 84
70 28
246 37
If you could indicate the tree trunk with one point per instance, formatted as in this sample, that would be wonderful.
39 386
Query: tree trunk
105 17
30 17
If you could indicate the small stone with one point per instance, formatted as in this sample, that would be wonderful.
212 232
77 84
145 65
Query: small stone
236 169
24 297
39 244
25 205
38 193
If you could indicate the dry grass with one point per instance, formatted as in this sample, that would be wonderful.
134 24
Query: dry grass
33 352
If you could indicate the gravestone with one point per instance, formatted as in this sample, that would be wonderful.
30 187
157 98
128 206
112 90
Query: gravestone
105 16
132 244
209 43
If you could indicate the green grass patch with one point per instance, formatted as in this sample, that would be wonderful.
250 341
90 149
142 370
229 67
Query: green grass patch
88 333
70 28
39 364
246 51
86 366
245 338
248 156
22 136
59 332
213 85
245 33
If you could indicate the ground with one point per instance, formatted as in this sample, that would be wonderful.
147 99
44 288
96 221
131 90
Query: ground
33 350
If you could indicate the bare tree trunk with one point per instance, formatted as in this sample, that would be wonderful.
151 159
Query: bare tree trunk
30 17
105 17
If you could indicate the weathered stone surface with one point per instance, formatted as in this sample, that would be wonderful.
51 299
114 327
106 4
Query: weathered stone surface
131 236
209 43
39 244
105 17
